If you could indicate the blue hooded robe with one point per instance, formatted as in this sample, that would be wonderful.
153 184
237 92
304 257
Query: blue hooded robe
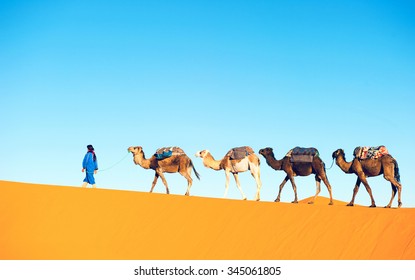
90 166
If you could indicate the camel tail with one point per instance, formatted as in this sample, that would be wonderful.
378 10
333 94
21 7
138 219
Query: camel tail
397 175
194 169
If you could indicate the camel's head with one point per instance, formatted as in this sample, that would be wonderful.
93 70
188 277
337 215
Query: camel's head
266 152
135 150
337 153
202 153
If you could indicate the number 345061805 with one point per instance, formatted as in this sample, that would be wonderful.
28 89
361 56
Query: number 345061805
246 270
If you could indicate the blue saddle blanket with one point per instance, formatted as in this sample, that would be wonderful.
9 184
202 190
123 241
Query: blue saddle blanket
167 152
163 155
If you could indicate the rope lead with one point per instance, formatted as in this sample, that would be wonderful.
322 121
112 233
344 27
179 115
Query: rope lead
118 162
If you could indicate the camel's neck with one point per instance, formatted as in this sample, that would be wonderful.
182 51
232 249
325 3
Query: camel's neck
210 162
274 163
343 164
141 160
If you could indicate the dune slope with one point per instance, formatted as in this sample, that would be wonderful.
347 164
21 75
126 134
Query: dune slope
55 222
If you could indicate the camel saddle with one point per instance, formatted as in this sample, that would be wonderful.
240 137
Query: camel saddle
299 154
239 152
370 152
167 152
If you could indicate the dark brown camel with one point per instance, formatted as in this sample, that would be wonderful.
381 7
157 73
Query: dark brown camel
176 163
385 165
293 169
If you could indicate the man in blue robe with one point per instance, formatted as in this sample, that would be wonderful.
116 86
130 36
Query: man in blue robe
90 165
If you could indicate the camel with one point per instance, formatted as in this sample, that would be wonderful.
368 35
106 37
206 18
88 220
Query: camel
293 169
385 165
250 162
176 163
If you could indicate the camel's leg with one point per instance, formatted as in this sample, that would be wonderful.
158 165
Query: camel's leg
399 196
163 179
238 184
355 190
226 183
294 189
256 174
156 176
394 190
281 186
396 187
326 182
189 181
362 178
318 189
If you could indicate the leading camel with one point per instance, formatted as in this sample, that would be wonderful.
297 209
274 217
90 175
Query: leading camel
250 162
293 169
385 165
176 163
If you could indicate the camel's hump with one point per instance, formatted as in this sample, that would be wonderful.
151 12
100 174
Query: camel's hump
370 152
240 152
300 154
173 149
166 152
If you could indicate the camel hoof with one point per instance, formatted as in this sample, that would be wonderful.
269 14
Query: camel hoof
295 201
186 194
350 204
399 204
372 206
257 199
277 200
331 203
387 206
311 202
244 198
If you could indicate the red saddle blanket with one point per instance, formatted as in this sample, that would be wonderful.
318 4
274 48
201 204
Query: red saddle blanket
370 152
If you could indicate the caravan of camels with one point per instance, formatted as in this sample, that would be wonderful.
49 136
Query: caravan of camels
367 162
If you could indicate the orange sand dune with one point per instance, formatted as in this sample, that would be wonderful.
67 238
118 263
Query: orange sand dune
54 222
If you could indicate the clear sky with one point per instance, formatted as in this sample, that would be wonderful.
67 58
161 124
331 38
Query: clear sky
205 75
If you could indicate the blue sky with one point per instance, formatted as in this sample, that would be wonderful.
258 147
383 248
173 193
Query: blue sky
205 75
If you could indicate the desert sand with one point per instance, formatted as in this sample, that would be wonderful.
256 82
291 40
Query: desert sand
58 222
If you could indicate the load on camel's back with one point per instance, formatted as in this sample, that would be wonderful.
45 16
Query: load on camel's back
370 152
239 152
300 154
167 152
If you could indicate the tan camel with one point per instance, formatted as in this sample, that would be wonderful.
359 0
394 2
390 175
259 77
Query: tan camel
176 163
385 165
293 169
250 162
